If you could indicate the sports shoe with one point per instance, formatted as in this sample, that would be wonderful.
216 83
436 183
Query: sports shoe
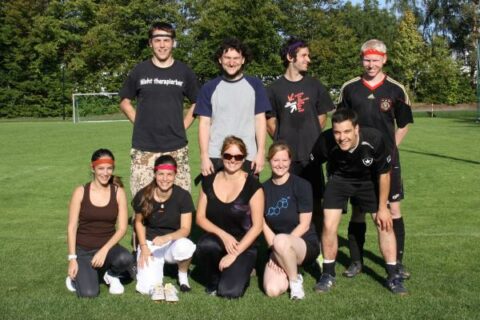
70 284
157 293
185 288
354 269
211 290
170 293
395 285
402 272
296 289
325 283
116 286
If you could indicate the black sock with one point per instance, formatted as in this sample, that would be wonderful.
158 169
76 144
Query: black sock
399 230
356 240
391 270
329 268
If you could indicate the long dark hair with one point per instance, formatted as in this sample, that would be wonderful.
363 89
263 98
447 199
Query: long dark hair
147 198
105 153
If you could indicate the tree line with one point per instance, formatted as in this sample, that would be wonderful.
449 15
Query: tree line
50 49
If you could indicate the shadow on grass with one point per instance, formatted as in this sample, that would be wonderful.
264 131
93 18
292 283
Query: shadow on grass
440 156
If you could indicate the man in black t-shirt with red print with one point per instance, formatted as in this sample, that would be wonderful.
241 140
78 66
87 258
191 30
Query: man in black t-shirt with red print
381 103
299 112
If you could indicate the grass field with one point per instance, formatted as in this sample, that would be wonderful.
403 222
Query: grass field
41 163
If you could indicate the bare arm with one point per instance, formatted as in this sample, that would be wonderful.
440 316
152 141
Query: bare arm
303 225
189 118
203 140
268 234
322 120
383 217
400 134
73 215
128 109
260 136
145 252
271 126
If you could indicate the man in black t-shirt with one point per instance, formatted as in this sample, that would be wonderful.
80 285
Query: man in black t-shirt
159 85
299 112
358 169
381 103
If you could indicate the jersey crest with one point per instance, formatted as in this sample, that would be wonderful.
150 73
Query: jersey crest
385 104
367 162
295 102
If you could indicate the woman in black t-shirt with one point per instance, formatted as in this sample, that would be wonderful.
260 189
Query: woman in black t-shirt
163 219
287 229
230 209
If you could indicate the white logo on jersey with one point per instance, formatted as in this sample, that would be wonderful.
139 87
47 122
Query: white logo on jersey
389 158
367 161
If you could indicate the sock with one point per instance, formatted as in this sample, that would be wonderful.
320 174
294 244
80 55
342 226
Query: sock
356 240
329 267
183 278
391 269
399 230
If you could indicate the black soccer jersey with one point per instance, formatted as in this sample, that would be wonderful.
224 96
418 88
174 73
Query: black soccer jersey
366 162
381 107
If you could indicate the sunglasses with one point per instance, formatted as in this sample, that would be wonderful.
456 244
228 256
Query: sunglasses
237 157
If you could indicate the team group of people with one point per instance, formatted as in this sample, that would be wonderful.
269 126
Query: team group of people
297 211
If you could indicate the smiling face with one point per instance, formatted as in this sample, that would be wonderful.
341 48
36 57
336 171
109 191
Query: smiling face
102 172
161 43
164 179
373 65
301 61
233 158
232 63
346 135
280 163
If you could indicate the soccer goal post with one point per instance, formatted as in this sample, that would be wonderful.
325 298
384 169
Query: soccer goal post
96 107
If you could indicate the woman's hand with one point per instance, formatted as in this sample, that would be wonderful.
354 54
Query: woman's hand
226 261
160 240
145 255
99 258
72 269
230 243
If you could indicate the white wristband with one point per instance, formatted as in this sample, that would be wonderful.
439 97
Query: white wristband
72 257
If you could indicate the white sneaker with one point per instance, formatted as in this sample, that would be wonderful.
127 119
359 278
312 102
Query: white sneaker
116 286
170 293
70 284
296 289
157 293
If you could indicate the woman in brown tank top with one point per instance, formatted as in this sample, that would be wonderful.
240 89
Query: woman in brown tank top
93 249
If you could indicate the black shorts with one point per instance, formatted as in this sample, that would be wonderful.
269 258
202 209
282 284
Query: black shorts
362 194
313 250
396 184
313 173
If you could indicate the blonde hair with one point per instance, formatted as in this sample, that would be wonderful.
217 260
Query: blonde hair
374 44
277 147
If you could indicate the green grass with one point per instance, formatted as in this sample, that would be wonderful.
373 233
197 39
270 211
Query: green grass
42 162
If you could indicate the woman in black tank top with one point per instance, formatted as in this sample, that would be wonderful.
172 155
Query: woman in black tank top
93 249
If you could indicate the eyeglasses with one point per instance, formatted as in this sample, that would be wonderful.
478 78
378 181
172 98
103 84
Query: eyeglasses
237 157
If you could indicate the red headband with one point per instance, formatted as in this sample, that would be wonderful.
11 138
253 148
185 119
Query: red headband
101 161
373 51
165 166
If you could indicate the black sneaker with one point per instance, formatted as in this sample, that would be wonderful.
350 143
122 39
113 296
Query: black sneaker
395 285
325 283
354 269
185 288
211 290
402 272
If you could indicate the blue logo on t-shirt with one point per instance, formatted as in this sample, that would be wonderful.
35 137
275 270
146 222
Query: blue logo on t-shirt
281 204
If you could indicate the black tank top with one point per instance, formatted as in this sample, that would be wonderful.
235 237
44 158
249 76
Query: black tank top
96 225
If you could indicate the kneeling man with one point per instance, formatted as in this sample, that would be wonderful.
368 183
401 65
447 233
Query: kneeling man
358 166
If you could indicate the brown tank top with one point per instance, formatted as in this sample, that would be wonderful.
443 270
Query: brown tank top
96 225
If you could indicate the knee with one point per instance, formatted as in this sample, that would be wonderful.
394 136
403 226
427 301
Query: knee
184 249
273 291
395 211
281 243
124 261
230 292
88 292
208 243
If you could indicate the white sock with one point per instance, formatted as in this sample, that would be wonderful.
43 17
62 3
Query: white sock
183 278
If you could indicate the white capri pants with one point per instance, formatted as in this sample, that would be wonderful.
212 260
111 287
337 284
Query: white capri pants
172 252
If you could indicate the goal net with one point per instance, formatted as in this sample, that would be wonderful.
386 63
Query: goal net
96 107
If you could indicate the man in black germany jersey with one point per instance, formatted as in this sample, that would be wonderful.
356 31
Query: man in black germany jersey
381 103
299 113
358 169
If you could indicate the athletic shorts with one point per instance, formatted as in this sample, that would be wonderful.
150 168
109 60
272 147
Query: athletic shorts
396 184
313 250
362 194
313 173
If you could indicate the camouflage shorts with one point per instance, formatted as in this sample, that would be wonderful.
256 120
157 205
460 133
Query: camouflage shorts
141 168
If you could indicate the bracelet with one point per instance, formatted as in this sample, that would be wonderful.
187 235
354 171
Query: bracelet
71 257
